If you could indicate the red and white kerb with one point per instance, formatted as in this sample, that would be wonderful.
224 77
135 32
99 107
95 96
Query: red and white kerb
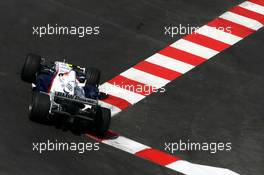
158 157
184 55
170 63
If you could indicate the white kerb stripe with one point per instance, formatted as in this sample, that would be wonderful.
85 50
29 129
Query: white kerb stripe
188 168
114 110
145 78
127 95
194 48
126 144
242 20
219 35
252 7
169 63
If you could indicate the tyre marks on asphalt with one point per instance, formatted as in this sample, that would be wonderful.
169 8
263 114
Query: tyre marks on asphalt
170 63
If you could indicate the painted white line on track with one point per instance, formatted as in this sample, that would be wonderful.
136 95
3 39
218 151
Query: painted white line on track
170 63
131 97
253 7
145 78
219 35
196 169
126 144
242 20
195 49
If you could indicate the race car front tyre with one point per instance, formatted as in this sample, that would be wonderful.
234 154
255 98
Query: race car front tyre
30 68
93 76
39 108
102 121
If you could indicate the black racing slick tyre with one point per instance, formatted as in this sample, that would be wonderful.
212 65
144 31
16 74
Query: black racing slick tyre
102 121
30 68
39 108
93 76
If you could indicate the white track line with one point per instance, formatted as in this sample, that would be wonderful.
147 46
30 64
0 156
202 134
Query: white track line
126 144
196 169
195 49
219 35
114 90
253 7
170 63
145 78
242 20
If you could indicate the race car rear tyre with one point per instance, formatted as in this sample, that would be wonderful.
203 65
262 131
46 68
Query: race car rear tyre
102 121
39 108
93 76
30 68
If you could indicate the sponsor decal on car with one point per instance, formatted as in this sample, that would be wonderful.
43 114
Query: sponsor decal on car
75 97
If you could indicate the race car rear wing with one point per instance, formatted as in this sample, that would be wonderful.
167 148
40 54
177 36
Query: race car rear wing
77 99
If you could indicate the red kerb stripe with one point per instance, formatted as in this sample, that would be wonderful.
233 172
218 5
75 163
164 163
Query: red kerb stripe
156 156
247 13
131 85
116 101
231 27
157 70
259 2
109 135
182 56
207 42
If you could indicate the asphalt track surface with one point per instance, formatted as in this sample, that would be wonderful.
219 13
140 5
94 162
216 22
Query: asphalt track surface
220 100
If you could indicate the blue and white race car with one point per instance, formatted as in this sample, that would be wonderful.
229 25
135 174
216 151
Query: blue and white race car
65 94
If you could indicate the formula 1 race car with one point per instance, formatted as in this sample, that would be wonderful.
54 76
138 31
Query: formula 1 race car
65 94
